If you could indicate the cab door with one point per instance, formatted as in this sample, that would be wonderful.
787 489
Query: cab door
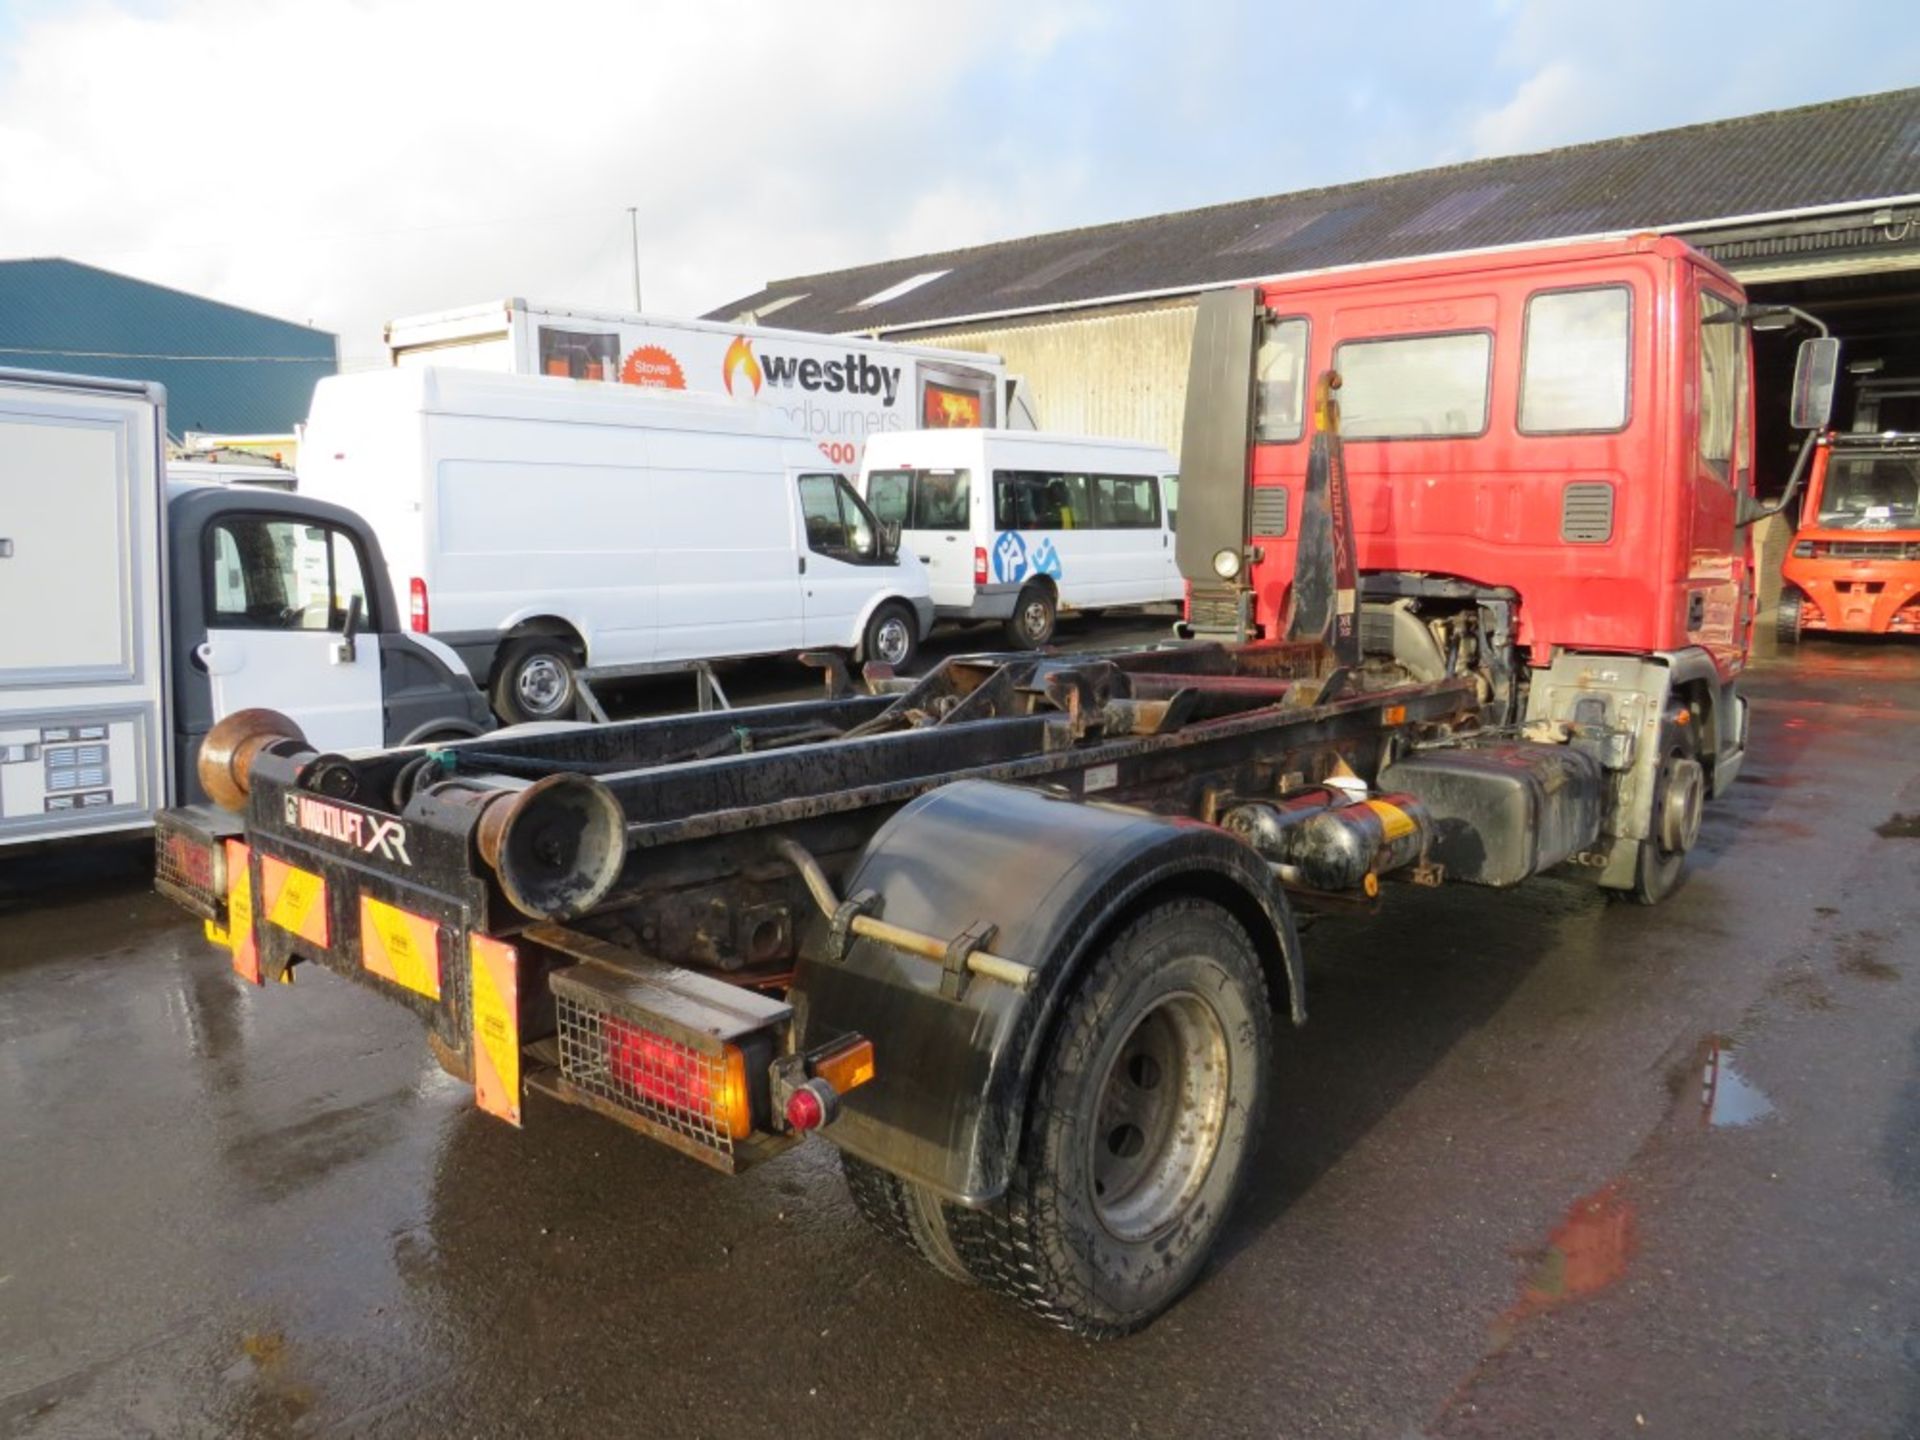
839 569
290 626
1719 597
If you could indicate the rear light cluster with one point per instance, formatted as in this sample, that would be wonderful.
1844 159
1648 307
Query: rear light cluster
979 564
681 1079
419 616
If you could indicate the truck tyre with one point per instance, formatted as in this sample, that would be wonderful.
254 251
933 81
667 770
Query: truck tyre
1786 624
907 1214
892 636
1140 1131
1031 625
1679 794
533 680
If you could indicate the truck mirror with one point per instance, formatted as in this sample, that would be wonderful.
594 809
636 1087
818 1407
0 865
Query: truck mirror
1815 372
889 539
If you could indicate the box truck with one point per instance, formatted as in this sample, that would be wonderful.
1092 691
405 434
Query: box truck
540 526
834 390
136 610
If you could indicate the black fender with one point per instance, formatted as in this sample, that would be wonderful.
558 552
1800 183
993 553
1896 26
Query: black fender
1055 875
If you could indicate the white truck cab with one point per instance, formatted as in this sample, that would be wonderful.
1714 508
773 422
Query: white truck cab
140 607
1018 525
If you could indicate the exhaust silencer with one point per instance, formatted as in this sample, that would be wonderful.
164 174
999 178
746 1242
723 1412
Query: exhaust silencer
227 753
557 845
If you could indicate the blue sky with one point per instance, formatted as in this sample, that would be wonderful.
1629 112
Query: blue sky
346 161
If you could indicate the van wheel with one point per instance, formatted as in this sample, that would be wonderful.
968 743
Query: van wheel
892 636
1031 624
1141 1129
533 680
1786 624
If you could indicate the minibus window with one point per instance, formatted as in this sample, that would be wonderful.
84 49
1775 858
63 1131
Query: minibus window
1126 502
1040 500
888 494
1574 363
1280 372
940 499
1414 387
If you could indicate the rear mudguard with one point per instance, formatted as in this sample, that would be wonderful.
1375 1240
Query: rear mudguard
1055 876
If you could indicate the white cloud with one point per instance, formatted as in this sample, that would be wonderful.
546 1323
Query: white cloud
329 160
1552 106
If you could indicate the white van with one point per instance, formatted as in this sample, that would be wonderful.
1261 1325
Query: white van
538 525
1017 525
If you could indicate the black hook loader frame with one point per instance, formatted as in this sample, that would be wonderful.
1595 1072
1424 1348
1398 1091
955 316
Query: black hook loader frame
1009 935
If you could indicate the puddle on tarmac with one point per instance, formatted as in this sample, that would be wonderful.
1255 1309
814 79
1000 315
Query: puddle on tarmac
1587 1252
1727 1098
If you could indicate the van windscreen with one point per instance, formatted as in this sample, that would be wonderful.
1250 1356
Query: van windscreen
920 499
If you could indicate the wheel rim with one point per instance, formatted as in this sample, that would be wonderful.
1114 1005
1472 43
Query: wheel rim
1033 619
891 642
1686 797
1162 1112
542 685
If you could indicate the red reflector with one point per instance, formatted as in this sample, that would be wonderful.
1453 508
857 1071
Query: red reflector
804 1110
418 617
979 564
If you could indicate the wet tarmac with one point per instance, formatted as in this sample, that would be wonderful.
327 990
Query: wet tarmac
1541 1165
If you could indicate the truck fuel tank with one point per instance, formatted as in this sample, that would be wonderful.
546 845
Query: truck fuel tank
1505 810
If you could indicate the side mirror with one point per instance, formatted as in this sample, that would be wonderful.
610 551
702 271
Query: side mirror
889 539
1815 372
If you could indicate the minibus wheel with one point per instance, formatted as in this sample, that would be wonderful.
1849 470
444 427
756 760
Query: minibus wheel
1031 624
533 680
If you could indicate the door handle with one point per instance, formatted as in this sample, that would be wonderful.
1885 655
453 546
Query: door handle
6 548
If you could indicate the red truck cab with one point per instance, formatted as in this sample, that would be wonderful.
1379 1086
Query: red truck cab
1854 564
1548 461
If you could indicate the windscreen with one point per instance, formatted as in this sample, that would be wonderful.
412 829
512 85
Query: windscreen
1872 492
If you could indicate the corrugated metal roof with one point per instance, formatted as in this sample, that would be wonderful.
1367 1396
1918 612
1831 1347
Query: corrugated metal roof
226 370
1841 152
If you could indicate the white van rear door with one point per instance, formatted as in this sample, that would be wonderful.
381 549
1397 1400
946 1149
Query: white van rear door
282 591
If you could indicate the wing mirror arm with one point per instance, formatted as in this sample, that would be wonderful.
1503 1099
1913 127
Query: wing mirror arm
345 652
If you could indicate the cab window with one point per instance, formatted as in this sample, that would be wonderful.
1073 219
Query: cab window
838 523
1280 375
270 574
1723 383
1574 366
1414 386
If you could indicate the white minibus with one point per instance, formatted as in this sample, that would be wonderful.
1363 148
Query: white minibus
1018 525
540 525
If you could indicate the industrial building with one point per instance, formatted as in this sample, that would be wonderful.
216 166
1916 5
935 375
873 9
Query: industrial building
1818 205
227 370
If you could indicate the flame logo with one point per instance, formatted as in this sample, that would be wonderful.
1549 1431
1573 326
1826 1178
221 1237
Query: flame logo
739 357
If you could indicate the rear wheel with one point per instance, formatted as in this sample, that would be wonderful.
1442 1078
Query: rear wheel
1140 1131
1787 623
533 680
1679 798
907 1214
1034 613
